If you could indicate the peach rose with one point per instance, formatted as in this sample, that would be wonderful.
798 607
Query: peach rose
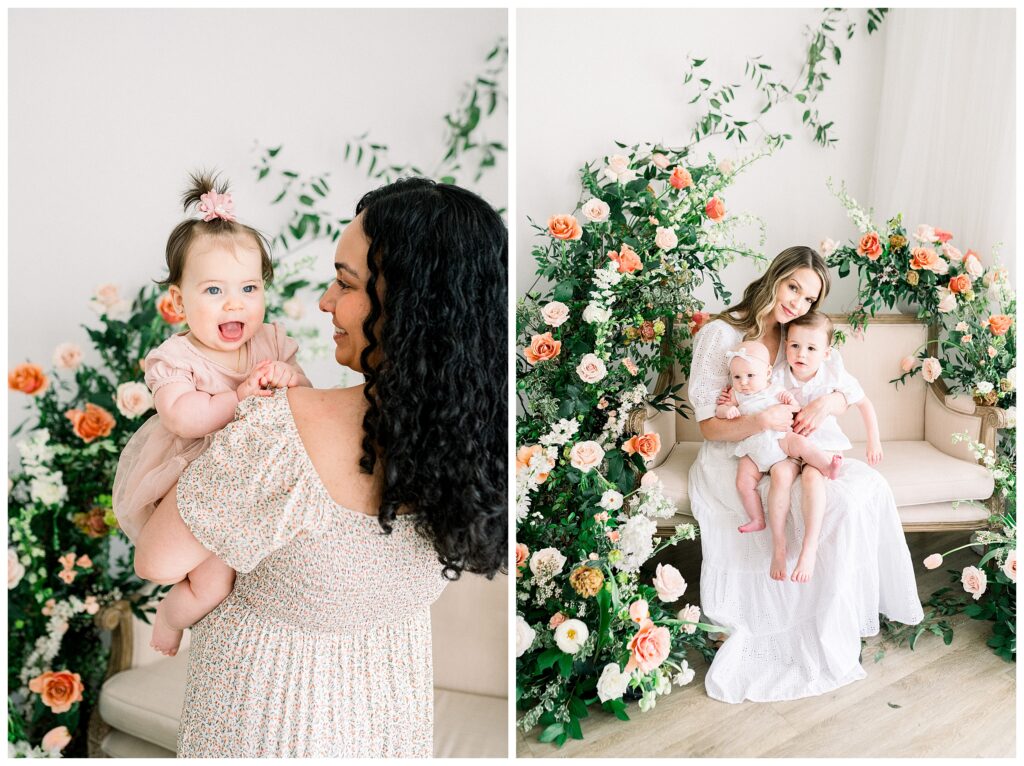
660 160
556 619
960 283
648 648
56 739
715 209
67 356
627 259
133 399
28 378
107 294
555 314
998 324
992 353
612 535
522 556
933 562
974 581
681 179
92 423
646 445
923 258
666 239
952 253
972 264
165 305
59 690
526 456
564 227
585 456
908 363
1010 565
542 348
870 246
639 611
67 575
630 366
931 368
596 210
668 582
690 614
83 561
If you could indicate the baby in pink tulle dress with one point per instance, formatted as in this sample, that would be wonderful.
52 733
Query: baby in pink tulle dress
217 272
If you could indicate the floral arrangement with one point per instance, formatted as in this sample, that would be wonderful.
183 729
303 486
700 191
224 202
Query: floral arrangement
591 627
63 566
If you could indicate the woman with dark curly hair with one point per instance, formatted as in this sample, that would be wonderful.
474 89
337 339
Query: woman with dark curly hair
345 511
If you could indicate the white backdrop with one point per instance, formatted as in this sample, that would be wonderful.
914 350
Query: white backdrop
586 79
109 109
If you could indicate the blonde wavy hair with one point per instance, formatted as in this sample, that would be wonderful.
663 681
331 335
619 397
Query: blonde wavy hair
749 314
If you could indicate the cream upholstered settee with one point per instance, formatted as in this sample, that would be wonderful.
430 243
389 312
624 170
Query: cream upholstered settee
140 702
927 472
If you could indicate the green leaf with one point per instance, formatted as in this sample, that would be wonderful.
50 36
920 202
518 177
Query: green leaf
263 173
573 728
894 705
306 200
551 732
273 152
548 658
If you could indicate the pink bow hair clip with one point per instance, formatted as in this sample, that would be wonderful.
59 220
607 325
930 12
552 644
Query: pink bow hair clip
215 205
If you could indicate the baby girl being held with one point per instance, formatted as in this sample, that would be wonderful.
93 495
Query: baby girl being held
218 269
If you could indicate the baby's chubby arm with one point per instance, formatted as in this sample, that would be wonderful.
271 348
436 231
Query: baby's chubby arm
867 414
727 408
283 375
193 414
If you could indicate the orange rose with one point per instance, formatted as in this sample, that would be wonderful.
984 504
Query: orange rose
525 455
522 554
998 324
59 690
646 445
870 246
943 236
543 347
28 378
960 283
680 178
165 305
91 424
923 258
564 227
627 259
715 209
649 647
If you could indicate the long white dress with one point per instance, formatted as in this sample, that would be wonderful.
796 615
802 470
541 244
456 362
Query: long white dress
789 640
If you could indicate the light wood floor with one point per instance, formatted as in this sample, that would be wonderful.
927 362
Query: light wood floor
937 700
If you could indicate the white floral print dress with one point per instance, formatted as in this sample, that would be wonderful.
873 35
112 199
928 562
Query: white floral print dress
323 647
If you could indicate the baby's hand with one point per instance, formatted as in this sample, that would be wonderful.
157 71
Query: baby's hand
786 398
251 385
874 453
279 375
727 412
726 396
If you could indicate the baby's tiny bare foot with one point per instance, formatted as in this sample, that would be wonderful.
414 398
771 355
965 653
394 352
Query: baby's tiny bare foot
778 566
753 526
804 566
835 466
166 639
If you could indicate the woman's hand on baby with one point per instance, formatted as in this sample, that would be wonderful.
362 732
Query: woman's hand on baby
279 375
776 418
251 386
810 417
725 397
874 454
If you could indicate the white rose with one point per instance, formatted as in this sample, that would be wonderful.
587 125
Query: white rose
973 266
1011 375
591 368
48 490
15 571
67 356
1011 416
524 636
650 480
618 169
546 563
133 399
120 311
666 239
1009 566
984 387
668 582
691 614
555 314
925 233
595 314
612 684
947 300
685 675
571 635
586 455
611 500
827 247
293 308
596 210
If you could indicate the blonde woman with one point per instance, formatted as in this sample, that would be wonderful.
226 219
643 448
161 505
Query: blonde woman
788 640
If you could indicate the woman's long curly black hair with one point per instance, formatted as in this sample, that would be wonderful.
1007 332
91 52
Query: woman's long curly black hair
436 375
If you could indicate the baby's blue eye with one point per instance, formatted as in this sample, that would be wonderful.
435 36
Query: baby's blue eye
249 289
213 290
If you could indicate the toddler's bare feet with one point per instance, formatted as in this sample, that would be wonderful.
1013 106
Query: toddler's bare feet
166 639
753 526
778 567
834 466
804 566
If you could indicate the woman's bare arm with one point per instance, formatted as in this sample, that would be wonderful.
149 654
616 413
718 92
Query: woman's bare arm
166 549
777 418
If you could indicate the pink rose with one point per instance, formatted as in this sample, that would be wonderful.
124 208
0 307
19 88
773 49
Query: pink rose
931 368
618 169
648 648
992 353
668 582
1010 565
943 236
84 561
67 356
555 314
56 739
612 535
47 610
556 619
972 264
660 160
107 295
933 562
947 300
133 399
601 517
585 456
925 233
974 581
639 611
92 606
908 363
596 210
591 368
630 366
690 614
952 253
725 167
666 239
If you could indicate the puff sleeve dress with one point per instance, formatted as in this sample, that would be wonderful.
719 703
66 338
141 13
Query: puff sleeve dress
323 647
789 640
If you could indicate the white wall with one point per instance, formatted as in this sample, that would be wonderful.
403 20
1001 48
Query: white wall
109 109
588 78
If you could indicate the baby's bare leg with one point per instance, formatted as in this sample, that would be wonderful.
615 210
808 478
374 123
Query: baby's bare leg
799 446
748 475
189 601
783 475
814 511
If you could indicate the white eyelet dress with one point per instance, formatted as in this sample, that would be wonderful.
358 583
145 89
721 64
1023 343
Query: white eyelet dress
789 640
322 650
